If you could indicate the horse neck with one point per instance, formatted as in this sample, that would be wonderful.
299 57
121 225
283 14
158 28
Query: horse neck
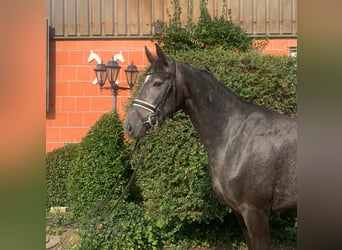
209 104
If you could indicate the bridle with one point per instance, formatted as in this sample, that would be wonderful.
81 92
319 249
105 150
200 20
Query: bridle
156 118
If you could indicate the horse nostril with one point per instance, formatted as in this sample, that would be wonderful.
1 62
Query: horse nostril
129 128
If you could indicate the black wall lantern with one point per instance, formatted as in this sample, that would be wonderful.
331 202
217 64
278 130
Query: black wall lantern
110 72
131 74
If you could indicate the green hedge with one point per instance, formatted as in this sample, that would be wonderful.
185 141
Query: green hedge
265 80
58 165
101 159
127 228
176 187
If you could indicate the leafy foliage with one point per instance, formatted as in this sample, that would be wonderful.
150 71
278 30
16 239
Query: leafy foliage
58 165
284 226
265 80
175 183
100 162
207 33
127 228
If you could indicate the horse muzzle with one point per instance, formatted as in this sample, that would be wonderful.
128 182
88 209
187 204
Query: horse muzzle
136 125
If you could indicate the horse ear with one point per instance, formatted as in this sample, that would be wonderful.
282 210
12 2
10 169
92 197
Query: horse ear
151 58
161 55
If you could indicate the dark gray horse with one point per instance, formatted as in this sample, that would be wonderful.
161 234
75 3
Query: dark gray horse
251 149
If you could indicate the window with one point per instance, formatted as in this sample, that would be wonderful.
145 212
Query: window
293 51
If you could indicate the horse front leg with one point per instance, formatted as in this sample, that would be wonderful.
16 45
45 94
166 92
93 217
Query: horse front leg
257 224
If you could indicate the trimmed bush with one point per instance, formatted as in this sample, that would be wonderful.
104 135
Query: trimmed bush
265 80
175 184
101 159
58 165
127 228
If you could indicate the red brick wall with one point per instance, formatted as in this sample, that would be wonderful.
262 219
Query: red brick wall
280 46
75 103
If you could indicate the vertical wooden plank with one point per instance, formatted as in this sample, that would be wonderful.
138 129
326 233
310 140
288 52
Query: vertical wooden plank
108 17
70 18
95 15
185 11
274 16
196 10
287 16
234 6
294 16
240 13
215 10
120 17
133 17
267 16
219 9
83 17
58 17
146 17
211 7
247 16
168 10
254 17
260 17
157 11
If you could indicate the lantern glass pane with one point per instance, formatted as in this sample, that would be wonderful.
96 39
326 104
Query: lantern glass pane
112 74
131 78
101 77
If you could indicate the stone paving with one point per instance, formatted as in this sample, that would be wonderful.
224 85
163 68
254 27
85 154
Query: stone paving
52 241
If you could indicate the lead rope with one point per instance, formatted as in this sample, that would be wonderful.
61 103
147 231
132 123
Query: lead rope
141 158
93 211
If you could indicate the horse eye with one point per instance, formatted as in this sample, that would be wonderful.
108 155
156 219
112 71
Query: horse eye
157 84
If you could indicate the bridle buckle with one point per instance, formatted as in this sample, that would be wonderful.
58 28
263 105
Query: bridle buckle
154 120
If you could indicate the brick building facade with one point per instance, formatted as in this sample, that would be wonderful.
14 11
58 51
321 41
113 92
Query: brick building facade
108 27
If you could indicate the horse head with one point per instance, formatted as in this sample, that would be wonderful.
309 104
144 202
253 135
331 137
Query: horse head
119 57
156 98
94 56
